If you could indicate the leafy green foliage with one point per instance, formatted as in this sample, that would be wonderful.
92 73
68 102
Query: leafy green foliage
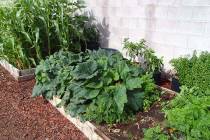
188 116
193 111
33 29
155 133
137 50
94 85
194 71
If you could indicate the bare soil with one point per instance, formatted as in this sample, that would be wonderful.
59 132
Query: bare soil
26 118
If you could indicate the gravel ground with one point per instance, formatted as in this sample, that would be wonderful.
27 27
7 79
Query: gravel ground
24 118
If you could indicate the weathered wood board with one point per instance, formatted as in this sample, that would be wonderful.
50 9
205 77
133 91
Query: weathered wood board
19 75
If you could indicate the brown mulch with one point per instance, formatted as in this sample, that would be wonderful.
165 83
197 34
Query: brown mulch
26 118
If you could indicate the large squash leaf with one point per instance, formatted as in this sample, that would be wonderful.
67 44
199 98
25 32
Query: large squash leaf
136 100
85 70
133 83
123 69
120 97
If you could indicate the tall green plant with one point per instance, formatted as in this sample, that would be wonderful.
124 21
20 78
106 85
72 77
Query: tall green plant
42 27
139 49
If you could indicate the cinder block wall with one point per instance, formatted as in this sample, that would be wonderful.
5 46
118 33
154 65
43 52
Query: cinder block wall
172 27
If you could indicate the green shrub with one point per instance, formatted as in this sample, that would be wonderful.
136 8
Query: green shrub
194 71
155 133
33 29
188 115
95 85
135 50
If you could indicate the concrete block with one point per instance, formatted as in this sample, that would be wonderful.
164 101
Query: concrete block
194 28
133 12
131 23
165 26
160 12
199 43
147 2
91 3
165 2
207 31
119 31
177 2
129 3
154 11
136 34
108 3
168 39
180 13
188 2
201 13
114 12
114 21
195 2
202 2
180 52
164 50
107 12
116 43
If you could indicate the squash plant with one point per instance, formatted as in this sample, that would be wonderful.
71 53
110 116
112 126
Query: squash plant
95 85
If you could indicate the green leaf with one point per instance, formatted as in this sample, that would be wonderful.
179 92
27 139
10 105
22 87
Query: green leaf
134 83
95 85
120 97
37 90
92 94
27 37
136 100
123 69
85 70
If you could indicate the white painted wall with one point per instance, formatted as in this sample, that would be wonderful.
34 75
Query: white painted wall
171 27
5 2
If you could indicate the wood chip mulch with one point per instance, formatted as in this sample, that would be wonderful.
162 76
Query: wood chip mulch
26 118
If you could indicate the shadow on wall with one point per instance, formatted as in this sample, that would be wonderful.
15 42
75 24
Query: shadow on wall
150 22
103 28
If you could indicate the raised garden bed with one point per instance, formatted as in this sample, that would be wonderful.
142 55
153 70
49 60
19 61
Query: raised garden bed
19 75
123 131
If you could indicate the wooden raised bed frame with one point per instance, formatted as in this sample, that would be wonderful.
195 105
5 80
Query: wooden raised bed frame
19 75
87 128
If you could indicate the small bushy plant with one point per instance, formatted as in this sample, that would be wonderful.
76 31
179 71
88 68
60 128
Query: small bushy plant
194 71
187 116
139 49
155 133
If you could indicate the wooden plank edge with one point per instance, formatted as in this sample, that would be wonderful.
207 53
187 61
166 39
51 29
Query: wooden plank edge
167 90
87 128
10 68
19 75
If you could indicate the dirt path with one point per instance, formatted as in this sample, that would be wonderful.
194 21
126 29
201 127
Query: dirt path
24 118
